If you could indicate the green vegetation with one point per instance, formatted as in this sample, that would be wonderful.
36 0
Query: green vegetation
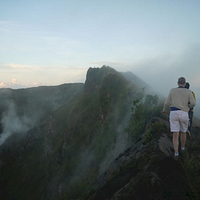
191 166
93 124
144 108
153 131
80 128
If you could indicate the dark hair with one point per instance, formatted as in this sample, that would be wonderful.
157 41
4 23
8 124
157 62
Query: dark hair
181 80
187 85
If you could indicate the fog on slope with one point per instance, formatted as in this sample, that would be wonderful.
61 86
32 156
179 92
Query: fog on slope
17 120
162 72
22 109
12 123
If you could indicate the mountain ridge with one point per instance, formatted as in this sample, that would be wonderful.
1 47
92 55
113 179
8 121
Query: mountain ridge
71 153
85 123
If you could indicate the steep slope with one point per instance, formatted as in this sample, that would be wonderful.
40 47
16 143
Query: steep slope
32 105
147 169
20 111
137 81
95 132
81 148
61 158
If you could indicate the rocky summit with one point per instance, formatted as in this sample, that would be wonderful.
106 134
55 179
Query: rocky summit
104 139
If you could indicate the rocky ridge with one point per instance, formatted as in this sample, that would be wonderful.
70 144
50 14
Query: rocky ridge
147 170
81 150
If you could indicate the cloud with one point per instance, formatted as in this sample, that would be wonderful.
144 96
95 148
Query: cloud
22 67
4 84
35 84
15 66
105 63
16 76
13 84
14 81
162 71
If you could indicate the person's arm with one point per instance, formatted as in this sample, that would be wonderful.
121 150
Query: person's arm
166 104
192 100
194 96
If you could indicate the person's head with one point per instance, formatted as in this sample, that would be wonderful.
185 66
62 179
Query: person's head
187 85
181 81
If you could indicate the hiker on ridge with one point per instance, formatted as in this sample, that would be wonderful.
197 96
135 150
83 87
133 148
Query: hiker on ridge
178 100
191 111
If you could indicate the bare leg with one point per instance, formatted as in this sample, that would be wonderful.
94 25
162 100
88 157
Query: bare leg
176 141
183 139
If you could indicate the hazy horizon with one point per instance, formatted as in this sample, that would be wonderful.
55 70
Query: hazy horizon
55 42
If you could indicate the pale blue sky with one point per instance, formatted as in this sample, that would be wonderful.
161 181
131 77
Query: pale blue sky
53 42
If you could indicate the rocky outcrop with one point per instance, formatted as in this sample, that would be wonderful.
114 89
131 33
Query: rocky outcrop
147 170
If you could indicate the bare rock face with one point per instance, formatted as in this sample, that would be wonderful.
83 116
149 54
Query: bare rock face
165 145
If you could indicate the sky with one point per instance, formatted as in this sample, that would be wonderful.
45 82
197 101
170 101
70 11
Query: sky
51 42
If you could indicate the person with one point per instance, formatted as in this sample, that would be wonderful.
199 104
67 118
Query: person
177 101
191 111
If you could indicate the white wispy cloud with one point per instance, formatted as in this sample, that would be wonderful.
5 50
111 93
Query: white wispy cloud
13 84
23 67
4 84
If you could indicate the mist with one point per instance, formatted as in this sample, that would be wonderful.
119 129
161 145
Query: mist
12 123
24 109
162 72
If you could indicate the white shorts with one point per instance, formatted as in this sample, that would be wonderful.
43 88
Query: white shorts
179 121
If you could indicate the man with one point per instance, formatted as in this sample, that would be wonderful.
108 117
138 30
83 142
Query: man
177 101
191 111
